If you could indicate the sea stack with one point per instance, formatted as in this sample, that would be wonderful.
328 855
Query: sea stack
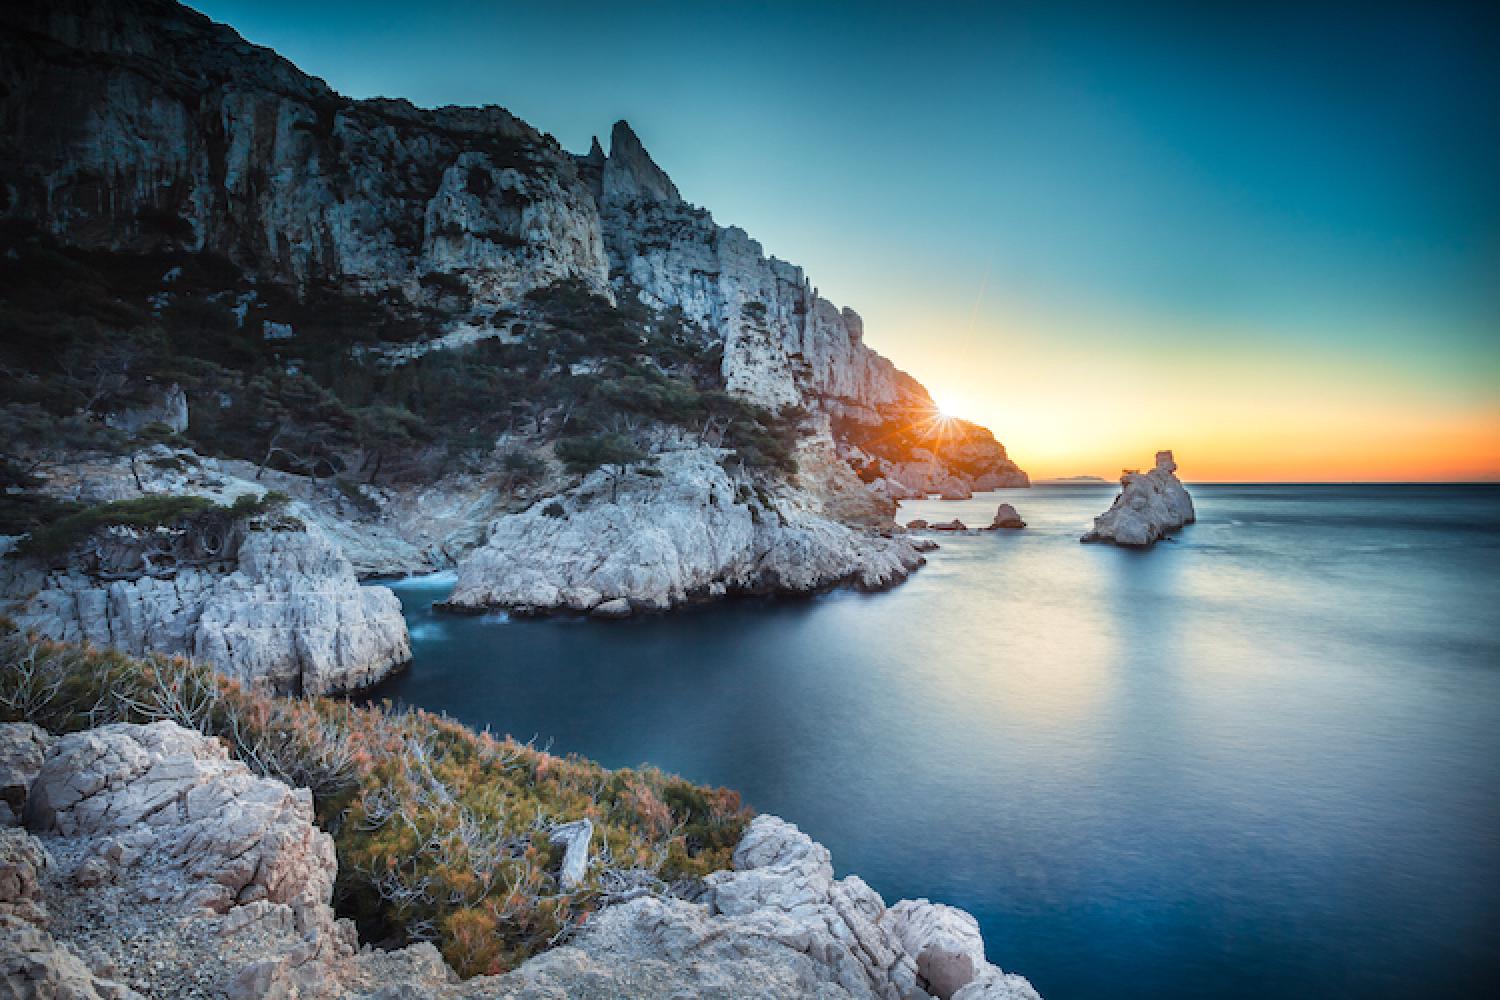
1007 519
1150 506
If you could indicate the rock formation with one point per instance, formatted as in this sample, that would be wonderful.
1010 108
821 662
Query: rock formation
689 532
1007 519
157 866
176 137
282 609
1150 506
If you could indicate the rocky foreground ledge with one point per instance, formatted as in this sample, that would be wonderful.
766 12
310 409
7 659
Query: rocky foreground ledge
154 865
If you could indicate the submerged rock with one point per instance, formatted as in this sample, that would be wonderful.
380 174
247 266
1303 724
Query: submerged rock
1149 507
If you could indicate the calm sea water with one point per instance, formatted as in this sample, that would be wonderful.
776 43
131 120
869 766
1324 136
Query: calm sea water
1261 760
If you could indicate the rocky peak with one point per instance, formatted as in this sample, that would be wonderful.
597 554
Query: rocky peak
629 172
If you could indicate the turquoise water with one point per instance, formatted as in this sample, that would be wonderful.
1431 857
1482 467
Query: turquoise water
1262 759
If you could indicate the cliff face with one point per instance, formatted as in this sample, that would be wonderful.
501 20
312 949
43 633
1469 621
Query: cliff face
142 125
784 344
305 256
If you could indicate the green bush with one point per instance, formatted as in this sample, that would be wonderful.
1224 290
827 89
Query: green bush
62 534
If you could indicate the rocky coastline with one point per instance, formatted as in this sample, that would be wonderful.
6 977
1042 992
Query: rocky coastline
262 342
145 861
744 440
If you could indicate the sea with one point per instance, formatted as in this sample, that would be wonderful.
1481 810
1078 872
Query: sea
1259 759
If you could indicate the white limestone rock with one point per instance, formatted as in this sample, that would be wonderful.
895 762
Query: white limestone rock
23 747
574 838
691 532
23 861
287 614
778 926
945 943
33 966
1150 506
235 838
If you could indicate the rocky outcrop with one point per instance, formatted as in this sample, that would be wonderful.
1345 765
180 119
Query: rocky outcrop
1150 506
779 925
161 866
23 747
148 128
162 788
688 531
284 611
1006 519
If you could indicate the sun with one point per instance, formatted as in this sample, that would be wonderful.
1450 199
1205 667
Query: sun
946 408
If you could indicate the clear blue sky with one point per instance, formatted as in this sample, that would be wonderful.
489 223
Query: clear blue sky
1077 223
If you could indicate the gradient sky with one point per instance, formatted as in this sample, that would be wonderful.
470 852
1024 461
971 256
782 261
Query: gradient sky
1267 238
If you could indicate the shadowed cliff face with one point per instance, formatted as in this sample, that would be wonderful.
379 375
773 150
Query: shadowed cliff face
143 127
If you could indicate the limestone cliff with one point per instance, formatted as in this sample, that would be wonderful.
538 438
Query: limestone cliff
276 604
783 343
141 125
260 269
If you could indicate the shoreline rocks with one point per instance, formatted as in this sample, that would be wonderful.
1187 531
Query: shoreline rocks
1150 506
688 533
284 610
155 863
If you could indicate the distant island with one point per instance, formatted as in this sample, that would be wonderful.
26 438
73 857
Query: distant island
1071 480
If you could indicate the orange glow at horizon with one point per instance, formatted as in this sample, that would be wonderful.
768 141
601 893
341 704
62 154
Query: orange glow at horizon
1229 414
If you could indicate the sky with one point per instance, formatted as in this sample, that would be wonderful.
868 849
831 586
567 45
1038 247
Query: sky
1267 238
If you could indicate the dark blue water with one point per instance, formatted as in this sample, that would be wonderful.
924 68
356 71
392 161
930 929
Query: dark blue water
1261 760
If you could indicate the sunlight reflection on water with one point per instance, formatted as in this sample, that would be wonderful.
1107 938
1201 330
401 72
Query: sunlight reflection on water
1259 759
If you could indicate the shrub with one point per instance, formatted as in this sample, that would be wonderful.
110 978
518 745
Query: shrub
441 832
61 535
141 512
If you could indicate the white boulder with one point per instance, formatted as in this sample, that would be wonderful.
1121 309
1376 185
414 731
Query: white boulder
1150 506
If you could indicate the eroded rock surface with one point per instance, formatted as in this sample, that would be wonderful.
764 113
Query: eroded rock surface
284 611
689 532
164 788
160 866
1006 519
779 925
1150 506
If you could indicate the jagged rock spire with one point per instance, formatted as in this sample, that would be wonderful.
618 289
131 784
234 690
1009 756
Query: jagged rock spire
630 174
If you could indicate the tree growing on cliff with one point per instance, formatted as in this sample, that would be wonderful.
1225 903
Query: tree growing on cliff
615 453
382 429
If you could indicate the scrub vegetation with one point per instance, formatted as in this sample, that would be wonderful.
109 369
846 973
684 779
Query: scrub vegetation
442 832
305 381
